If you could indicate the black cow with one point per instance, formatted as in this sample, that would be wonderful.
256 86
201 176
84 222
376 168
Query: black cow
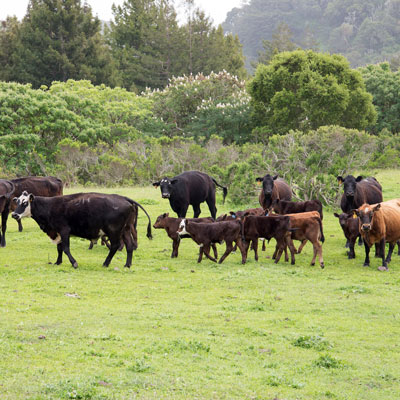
46 186
86 215
358 191
6 191
191 187
273 188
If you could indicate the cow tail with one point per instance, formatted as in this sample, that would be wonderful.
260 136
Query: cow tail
321 230
149 235
224 190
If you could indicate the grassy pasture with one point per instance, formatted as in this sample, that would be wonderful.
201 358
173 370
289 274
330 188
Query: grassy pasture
177 329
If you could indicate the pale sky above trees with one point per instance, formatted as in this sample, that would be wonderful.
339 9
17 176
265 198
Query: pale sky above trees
216 9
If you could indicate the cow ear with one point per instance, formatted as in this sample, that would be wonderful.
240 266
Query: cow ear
25 193
339 179
336 215
355 212
156 184
173 181
31 198
377 207
233 214
165 215
259 179
359 178
14 200
275 177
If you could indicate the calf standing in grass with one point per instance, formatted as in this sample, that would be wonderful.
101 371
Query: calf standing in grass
349 225
380 223
171 226
277 227
217 232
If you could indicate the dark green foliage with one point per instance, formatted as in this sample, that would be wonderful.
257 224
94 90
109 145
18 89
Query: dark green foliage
384 85
365 31
305 90
328 362
312 342
59 40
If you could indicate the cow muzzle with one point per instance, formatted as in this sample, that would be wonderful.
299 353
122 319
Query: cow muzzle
16 216
165 195
366 227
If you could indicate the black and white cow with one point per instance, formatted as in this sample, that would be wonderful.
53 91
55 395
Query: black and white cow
190 187
86 215
7 189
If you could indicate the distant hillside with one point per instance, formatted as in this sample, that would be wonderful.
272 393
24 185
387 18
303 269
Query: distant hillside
365 31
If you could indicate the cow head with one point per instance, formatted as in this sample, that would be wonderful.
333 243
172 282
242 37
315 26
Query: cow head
343 218
366 215
23 205
166 186
160 221
349 184
182 227
267 185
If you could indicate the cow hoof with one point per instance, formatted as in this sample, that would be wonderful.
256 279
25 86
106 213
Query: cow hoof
382 268
105 265
75 265
366 265
127 266
322 265
312 264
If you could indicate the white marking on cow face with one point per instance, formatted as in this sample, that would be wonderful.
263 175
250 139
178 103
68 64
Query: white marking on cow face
23 207
57 240
366 210
182 228
201 245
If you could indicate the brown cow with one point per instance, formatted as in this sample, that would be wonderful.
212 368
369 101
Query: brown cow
284 207
273 188
277 227
308 226
171 226
380 223
206 234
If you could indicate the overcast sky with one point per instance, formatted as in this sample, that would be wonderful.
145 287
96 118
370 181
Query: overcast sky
216 9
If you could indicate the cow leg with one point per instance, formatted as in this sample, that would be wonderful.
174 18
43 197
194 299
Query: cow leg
20 228
351 253
196 210
201 251
366 261
229 248
206 250
128 241
315 251
360 240
91 245
211 205
321 260
214 247
347 244
113 249
175 247
377 250
263 246
255 248
65 247
182 211
289 243
4 217
281 246
275 252
244 250
398 248
303 243
389 256
384 266
60 253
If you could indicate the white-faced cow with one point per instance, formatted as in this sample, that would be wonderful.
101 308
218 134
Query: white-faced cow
190 188
6 191
46 186
273 188
86 215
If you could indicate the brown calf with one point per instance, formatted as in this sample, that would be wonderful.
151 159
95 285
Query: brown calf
277 227
380 223
206 234
284 207
171 226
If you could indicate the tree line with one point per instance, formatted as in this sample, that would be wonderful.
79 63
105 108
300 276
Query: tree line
143 47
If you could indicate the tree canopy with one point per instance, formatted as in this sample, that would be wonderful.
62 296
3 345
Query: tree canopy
305 90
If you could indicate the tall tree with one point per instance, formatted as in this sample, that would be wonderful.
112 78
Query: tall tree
305 90
9 31
59 40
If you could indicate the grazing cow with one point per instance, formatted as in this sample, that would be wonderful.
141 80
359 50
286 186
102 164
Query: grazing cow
308 226
86 215
273 188
191 187
277 227
284 207
380 223
47 186
7 189
205 234
171 226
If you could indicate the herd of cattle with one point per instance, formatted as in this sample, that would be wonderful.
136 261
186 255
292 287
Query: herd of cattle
113 218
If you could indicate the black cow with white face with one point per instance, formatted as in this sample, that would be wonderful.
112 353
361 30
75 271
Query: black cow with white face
85 215
7 189
190 188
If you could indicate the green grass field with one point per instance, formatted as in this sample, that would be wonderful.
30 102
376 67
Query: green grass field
174 329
